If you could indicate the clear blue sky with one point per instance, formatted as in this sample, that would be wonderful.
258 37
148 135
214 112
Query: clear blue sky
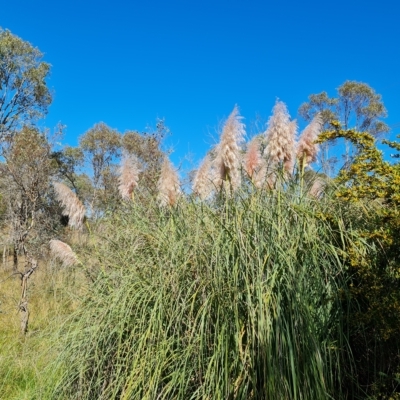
128 62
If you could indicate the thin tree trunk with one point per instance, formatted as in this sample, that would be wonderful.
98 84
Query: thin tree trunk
15 258
5 255
23 305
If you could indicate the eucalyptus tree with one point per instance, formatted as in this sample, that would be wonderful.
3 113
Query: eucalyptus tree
356 106
32 214
24 95
101 147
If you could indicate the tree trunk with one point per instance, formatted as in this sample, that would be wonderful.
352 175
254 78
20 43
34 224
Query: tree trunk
23 304
5 251
15 258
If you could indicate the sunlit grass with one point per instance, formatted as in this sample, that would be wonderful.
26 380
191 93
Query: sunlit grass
52 294
234 300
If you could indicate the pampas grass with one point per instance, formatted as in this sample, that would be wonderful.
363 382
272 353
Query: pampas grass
280 138
317 188
307 149
227 162
168 185
73 208
202 182
252 159
239 307
128 177
63 252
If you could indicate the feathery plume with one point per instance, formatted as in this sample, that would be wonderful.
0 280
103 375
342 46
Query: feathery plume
317 188
227 161
63 252
202 182
168 185
128 177
306 148
280 137
72 206
252 158
265 176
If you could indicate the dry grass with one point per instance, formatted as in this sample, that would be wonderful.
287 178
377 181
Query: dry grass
24 358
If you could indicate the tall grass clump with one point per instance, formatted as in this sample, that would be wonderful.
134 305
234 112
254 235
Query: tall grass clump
236 300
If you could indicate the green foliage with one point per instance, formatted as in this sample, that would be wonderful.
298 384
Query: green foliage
24 95
373 185
146 148
239 299
356 105
100 144
68 161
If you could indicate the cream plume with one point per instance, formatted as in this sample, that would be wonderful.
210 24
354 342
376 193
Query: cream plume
317 188
72 206
168 185
128 177
265 176
228 159
252 158
306 148
202 182
63 252
280 137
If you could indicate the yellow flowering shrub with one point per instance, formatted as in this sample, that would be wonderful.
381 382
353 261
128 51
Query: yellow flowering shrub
370 186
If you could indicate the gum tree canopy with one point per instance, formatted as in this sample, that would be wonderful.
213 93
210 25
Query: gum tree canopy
24 95
356 106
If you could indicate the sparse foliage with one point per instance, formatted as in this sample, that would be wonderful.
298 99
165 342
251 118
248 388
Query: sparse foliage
24 95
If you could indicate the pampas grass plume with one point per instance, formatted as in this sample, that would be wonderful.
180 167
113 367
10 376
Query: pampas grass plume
168 185
73 208
202 182
317 188
63 252
306 148
280 137
128 177
252 158
227 162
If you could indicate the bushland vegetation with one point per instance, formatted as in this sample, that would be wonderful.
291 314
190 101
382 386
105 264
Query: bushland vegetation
269 278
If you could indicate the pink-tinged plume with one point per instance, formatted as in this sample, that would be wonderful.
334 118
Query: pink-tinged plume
168 185
280 138
252 159
72 206
306 148
317 188
202 182
265 176
228 158
63 252
128 177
